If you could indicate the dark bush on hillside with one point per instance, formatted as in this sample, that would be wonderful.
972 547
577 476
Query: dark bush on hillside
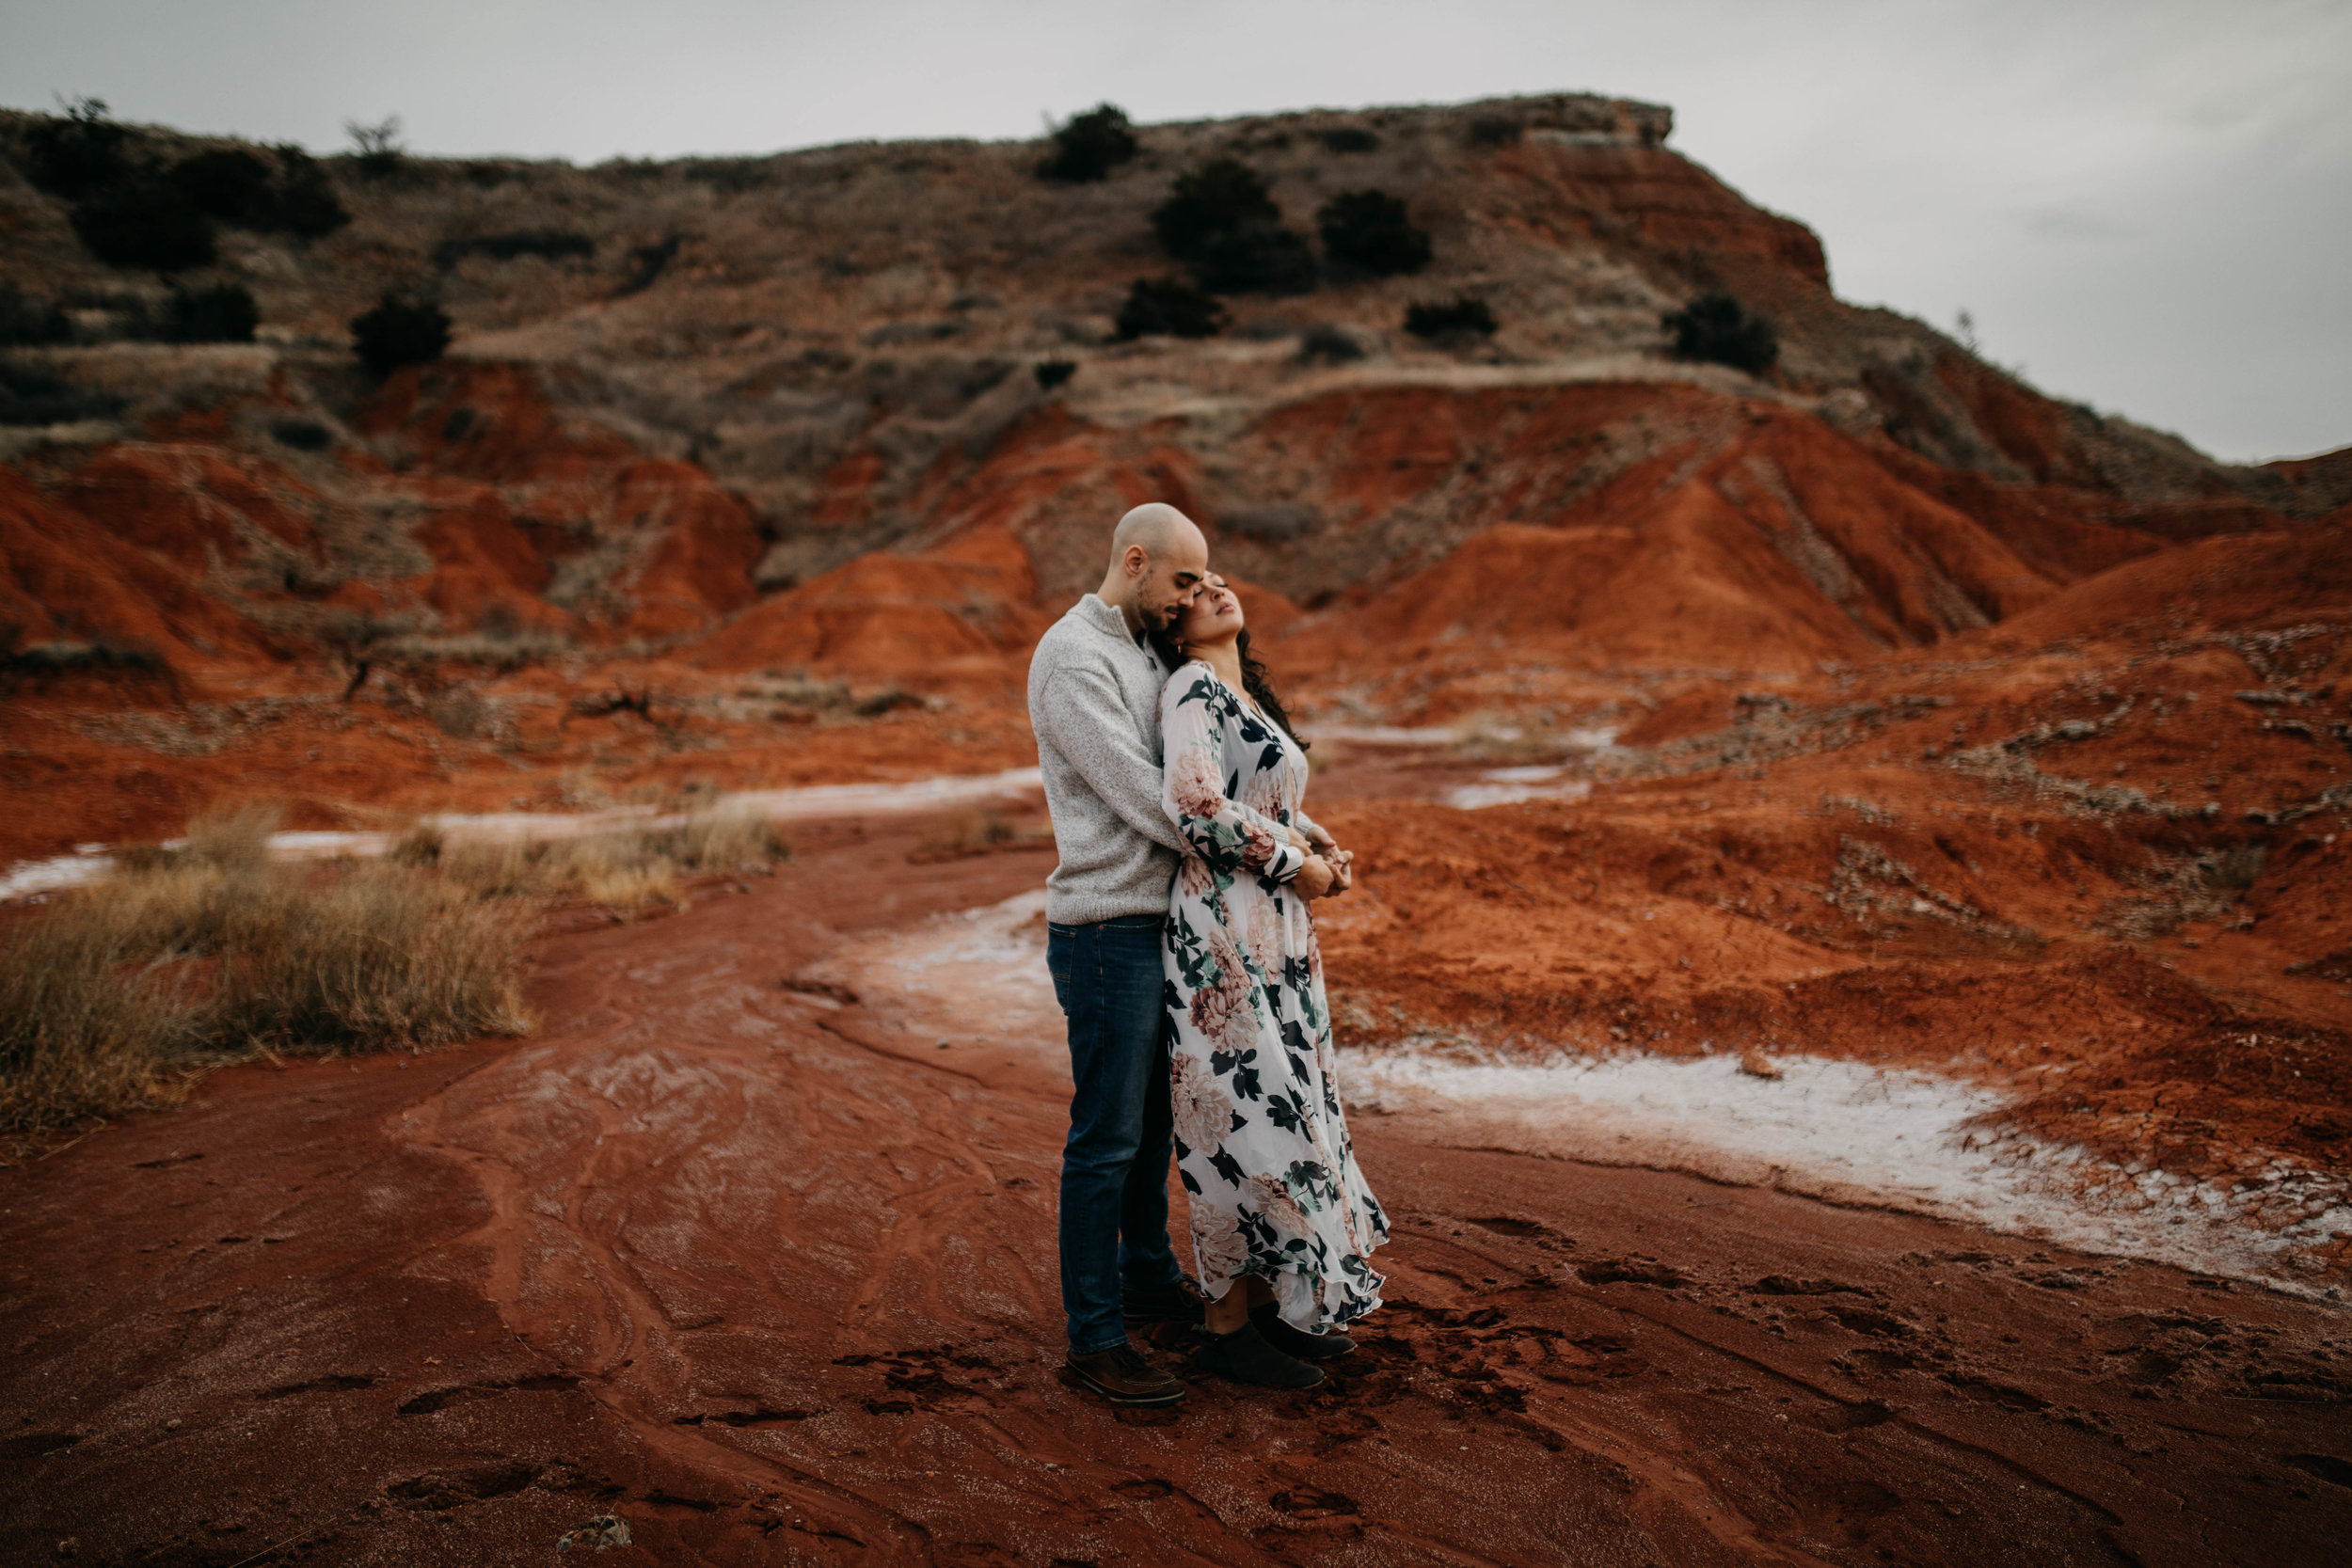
1494 131
79 154
25 320
144 223
555 244
1452 320
646 263
377 147
400 332
1169 307
1333 346
1349 138
303 203
1053 373
302 434
1256 258
31 397
224 313
1370 231
1716 329
37 662
1215 198
1090 146
229 183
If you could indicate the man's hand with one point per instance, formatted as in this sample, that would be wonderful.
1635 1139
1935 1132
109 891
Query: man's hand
1315 879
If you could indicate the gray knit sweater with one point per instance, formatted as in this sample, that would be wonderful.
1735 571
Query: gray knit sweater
1094 702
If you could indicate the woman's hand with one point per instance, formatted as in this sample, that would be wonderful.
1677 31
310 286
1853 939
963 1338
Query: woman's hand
1316 879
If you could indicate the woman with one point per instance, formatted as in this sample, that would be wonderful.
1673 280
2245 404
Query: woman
1276 1203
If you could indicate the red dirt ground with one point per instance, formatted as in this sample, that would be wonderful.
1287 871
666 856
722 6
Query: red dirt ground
772 1280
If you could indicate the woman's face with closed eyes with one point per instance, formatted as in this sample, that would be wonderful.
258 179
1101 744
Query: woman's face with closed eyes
1214 617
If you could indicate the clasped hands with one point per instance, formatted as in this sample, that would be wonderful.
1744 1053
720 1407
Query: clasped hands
1328 871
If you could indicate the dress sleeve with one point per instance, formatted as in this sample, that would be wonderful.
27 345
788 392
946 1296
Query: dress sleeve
1226 834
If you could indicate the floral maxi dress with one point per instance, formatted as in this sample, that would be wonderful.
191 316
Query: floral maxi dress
1261 1143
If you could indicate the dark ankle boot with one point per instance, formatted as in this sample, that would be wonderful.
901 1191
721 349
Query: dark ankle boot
1298 1343
1245 1357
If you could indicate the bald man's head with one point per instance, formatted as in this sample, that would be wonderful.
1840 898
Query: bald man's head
1158 561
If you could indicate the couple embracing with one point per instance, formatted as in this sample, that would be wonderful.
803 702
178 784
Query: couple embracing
1184 959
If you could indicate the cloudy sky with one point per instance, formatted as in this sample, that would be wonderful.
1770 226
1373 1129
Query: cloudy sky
2144 204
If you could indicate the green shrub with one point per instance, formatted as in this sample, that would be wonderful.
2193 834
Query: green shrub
1718 329
1256 258
1171 307
229 183
29 321
400 332
31 397
144 222
1090 146
82 153
303 202
1370 231
224 313
1451 321
1215 198
377 147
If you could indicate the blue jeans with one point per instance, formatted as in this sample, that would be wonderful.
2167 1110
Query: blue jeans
1114 1167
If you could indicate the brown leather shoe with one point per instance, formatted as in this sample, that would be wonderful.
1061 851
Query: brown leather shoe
1124 1377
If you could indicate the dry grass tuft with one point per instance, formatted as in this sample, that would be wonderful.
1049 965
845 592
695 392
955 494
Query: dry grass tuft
118 996
626 868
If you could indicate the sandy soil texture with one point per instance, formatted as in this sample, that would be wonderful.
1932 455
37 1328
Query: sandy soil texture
763 1265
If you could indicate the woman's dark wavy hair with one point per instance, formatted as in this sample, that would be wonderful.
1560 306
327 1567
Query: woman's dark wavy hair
1254 680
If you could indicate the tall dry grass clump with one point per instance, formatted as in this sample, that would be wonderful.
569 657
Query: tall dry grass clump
118 994
625 867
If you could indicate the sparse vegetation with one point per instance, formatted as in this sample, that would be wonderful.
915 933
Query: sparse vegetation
22 663
80 152
554 245
400 332
1329 345
144 222
229 183
1169 307
302 434
1349 138
378 148
237 185
186 959
625 869
33 397
1089 146
1494 131
1451 322
1718 329
1371 231
1217 199
118 996
25 320
1259 259
225 313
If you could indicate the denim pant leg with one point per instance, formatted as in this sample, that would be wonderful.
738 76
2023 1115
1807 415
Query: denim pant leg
1114 1174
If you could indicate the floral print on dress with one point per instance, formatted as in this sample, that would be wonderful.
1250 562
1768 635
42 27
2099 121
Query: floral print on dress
1261 1144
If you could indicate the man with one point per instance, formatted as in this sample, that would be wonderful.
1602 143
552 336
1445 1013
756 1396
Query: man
1094 702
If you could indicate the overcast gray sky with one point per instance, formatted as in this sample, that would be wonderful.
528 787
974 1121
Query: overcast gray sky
2146 204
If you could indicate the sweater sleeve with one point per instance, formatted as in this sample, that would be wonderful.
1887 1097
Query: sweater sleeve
1226 834
1082 715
